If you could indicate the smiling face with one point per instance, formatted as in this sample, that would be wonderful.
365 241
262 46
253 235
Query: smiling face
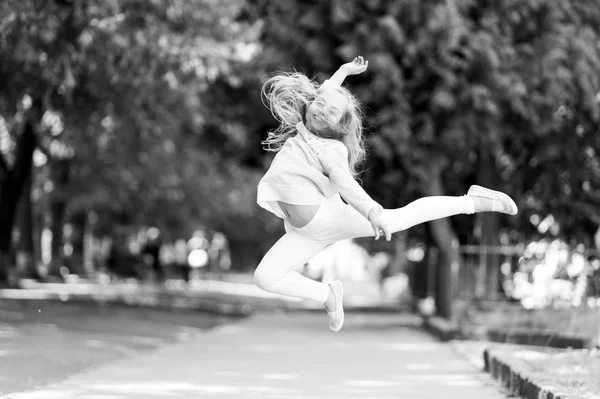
327 111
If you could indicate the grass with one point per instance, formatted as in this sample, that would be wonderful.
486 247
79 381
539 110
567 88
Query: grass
512 318
564 372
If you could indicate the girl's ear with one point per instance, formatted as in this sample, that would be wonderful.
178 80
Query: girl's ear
346 118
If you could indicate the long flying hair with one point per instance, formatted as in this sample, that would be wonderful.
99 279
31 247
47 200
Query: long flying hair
288 96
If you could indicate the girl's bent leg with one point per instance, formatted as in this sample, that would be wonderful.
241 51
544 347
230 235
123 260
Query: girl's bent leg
275 272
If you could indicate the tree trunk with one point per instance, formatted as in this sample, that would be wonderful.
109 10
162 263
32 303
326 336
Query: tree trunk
26 250
489 224
38 227
6 224
8 205
5 264
89 257
448 261
57 212
445 239
12 182
60 172
78 222
399 261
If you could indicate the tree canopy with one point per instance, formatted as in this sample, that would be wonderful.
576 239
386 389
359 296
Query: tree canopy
453 83
154 105
124 83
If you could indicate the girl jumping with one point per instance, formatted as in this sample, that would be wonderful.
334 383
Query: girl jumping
319 145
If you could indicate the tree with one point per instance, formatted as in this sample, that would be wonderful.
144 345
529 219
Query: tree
457 87
13 178
123 84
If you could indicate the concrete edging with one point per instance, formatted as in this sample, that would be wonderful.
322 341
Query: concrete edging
518 382
150 301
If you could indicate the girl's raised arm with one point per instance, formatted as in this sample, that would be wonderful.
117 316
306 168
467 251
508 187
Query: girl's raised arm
358 65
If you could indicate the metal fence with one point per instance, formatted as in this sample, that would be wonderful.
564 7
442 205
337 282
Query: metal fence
483 270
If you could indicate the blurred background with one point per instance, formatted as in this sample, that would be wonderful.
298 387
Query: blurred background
130 147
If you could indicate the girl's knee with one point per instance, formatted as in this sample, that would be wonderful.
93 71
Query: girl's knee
263 280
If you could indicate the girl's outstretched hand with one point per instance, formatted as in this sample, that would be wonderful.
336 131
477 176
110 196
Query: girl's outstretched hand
380 225
358 65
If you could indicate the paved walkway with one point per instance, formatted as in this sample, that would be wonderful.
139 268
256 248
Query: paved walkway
289 355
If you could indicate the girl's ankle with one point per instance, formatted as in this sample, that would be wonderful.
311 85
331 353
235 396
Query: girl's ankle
330 301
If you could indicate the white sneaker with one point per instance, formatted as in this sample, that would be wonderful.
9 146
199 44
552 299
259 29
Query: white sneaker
500 201
336 318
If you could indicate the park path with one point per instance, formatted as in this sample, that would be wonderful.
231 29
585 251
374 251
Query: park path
289 355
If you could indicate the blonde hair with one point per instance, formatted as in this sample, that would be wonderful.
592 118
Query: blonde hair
288 96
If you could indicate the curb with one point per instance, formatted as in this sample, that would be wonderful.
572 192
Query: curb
236 301
163 302
232 307
518 382
219 297
441 328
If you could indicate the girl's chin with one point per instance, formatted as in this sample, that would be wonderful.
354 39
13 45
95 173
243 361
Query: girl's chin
313 124
318 123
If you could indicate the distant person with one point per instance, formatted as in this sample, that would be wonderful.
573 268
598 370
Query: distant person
320 145
218 253
152 250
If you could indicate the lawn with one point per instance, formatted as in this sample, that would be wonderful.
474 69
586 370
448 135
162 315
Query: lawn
506 320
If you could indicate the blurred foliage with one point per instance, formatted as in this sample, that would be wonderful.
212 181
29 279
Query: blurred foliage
123 84
153 106
450 81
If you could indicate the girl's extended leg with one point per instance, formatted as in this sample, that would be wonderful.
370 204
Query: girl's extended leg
276 274
478 199
426 209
